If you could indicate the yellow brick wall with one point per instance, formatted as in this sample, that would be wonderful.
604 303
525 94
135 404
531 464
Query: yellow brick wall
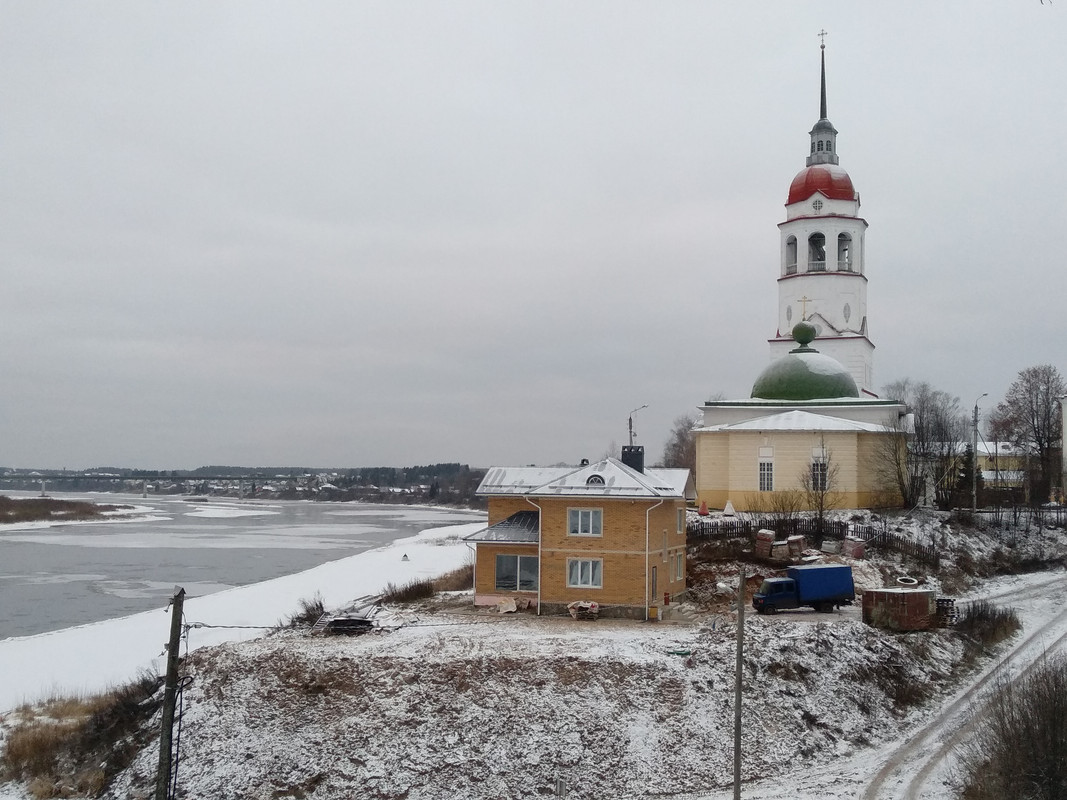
621 547
500 508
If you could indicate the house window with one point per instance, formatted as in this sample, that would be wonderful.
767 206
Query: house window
516 573
585 573
584 521
681 520
681 567
819 476
766 476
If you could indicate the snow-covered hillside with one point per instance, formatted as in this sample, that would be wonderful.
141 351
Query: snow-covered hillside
472 705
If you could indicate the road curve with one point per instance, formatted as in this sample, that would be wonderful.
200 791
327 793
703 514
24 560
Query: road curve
909 768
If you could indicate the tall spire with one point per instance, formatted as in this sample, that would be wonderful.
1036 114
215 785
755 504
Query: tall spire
822 96
824 134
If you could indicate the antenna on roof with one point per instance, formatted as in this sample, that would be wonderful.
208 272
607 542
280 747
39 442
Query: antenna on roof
631 422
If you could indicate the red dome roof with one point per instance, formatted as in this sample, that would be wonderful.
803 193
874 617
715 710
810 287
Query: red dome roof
829 179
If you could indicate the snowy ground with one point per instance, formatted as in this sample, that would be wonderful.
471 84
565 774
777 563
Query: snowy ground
462 705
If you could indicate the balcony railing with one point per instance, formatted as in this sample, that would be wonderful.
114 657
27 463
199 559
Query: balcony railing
820 266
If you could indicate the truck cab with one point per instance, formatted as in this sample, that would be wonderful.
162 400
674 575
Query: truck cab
775 593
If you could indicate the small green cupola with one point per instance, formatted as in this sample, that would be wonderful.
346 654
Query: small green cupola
804 373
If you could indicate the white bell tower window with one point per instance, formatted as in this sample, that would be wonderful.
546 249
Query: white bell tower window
816 253
844 252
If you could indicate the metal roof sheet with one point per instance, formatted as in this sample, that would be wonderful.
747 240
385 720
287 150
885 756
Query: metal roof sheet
522 527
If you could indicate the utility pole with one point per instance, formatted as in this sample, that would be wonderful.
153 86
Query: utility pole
737 680
974 457
170 693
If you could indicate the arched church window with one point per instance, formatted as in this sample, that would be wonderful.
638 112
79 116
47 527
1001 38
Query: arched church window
844 252
791 255
820 147
595 480
828 147
816 253
813 147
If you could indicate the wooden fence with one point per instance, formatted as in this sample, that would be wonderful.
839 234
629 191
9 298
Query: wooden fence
880 537
783 528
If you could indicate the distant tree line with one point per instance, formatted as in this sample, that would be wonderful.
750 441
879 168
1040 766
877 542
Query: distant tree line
449 483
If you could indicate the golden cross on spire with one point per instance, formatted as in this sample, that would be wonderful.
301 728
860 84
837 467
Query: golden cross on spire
804 307
822 38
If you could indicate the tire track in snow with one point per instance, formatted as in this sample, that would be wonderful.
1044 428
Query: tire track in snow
950 726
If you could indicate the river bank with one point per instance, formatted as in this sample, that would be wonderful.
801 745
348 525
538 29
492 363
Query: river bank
92 657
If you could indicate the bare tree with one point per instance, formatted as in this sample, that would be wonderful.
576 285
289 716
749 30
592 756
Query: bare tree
681 447
1029 418
819 484
926 455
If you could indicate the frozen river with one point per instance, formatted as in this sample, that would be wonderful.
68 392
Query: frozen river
64 575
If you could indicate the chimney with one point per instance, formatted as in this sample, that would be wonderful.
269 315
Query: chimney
633 456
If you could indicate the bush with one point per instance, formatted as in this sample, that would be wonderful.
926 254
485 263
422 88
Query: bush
311 609
986 623
417 589
458 580
74 747
1020 738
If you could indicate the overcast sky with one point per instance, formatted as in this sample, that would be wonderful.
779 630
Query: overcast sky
345 234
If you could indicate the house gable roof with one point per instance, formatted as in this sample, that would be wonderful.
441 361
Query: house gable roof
606 478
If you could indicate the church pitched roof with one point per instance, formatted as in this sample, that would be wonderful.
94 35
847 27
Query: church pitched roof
799 421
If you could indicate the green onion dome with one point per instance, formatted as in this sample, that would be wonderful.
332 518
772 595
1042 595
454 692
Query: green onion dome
804 373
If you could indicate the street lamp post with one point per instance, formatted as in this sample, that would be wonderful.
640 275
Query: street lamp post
974 456
1063 450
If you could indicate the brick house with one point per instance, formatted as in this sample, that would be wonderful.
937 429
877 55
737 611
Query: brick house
611 532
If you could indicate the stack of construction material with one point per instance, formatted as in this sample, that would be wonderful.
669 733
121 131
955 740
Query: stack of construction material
764 543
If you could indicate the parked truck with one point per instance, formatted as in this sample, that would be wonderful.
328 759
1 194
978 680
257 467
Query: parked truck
821 586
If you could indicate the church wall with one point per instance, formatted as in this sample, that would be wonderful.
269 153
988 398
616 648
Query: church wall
875 489
712 472
843 208
728 467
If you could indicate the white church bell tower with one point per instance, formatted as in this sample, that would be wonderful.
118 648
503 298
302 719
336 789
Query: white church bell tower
823 272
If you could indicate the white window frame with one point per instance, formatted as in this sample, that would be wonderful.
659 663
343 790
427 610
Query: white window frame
585 522
820 475
680 575
518 573
681 520
766 476
590 573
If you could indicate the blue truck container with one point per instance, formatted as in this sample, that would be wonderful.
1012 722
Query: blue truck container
821 586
